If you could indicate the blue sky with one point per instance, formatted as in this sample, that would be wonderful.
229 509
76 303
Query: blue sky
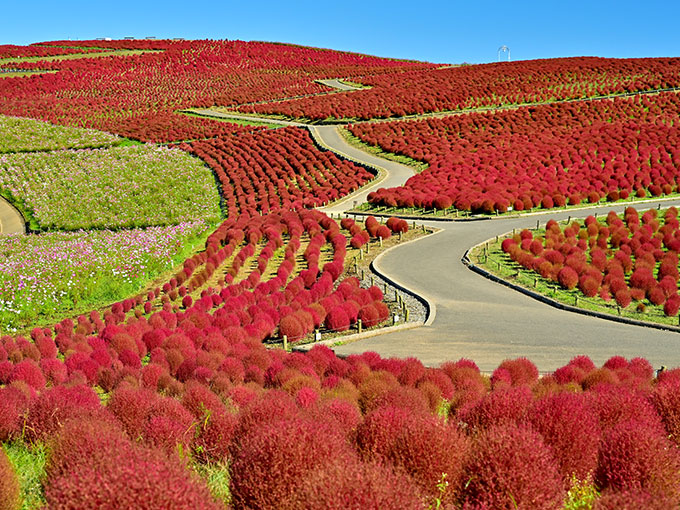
436 31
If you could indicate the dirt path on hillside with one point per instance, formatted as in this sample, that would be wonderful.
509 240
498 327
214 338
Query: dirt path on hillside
11 222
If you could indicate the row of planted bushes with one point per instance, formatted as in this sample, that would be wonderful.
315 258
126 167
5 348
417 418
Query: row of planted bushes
487 85
274 169
535 157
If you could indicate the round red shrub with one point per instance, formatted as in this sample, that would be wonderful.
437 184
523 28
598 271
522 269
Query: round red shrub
637 457
383 232
502 406
567 277
355 485
127 477
422 446
29 372
569 425
619 404
337 319
631 500
291 327
55 406
273 459
131 406
513 468
666 400
214 437
13 404
521 370
9 484
671 306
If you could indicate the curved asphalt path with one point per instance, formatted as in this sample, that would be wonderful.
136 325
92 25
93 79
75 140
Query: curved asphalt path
482 320
392 173
337 84
477 318
488 322
11 222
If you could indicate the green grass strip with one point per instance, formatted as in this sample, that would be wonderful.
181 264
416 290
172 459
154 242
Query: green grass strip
29 464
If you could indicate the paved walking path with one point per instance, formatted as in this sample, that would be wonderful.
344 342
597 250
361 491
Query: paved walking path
238 116
392 173
487 322
337 84
11 222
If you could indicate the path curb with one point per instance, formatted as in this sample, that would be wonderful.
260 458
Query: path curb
358 336
430 307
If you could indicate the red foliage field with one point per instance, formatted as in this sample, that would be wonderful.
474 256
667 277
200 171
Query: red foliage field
629 260
134 400
543 156
333 424
36 50
134 95
276 169
484 85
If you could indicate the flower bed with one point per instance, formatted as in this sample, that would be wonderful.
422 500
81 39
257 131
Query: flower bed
26 135
51 274
118 187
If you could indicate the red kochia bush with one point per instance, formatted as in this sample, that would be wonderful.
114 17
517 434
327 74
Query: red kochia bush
354 485
55 406
502 406
124 476
666 399
521 370
131 406
337 319
274 458
9 484
569 426
214 437
29 372
634 456
567 277
87 441
13 404
422 446
632 500
512 468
